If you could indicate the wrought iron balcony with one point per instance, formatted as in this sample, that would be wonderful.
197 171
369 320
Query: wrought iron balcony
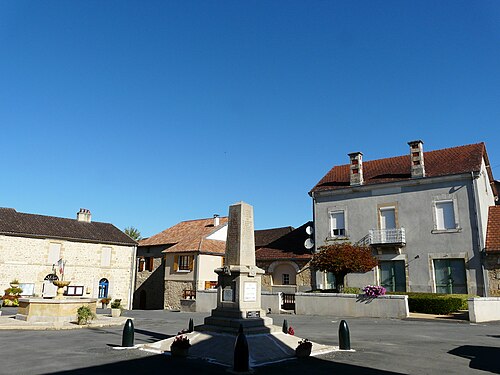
388 237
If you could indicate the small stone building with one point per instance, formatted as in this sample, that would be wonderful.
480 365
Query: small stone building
173 264
99 258
282 254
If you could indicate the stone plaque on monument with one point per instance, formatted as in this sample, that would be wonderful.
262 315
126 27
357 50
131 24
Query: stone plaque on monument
250 291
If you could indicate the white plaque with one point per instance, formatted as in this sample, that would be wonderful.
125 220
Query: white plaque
250 292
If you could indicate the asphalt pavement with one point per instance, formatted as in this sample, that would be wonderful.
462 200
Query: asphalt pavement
420 345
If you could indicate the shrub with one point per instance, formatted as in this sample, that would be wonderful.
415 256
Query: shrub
116 304
352 290
84 314
433 303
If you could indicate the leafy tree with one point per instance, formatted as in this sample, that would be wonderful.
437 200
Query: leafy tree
342 259
133 233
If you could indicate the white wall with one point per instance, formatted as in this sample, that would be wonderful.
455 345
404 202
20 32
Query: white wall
484 309
205 271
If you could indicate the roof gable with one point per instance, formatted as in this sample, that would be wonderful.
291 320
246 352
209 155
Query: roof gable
31 225
444 162
288 246
190 236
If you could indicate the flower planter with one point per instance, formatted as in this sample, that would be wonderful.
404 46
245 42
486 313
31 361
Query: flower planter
115 313
303 351
179 352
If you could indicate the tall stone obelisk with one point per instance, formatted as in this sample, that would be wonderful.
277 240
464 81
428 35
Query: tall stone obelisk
239 281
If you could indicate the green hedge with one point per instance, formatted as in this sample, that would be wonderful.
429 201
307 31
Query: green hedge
433 303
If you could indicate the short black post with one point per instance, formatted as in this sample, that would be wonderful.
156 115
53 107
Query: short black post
344 339
191 325
241 355
128 334
285 326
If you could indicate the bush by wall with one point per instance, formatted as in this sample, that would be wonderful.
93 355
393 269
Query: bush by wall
433 303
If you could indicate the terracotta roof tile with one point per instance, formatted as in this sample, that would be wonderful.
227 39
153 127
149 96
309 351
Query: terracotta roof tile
493 231
18 223
189 236
448 161
289 246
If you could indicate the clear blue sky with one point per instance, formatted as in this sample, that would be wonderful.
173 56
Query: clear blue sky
152 112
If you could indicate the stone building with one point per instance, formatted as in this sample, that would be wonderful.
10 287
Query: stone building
282 254
173 264
99 258
424 215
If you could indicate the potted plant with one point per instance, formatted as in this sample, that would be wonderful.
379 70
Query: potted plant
116 308
303 349
105 301
14 283
180 346
84 315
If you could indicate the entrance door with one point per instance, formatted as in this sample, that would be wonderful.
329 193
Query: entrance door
450 276
393 275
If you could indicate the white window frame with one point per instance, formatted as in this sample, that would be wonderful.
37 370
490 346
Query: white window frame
330 224
445 198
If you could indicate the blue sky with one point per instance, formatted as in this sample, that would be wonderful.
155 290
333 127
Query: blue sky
152 112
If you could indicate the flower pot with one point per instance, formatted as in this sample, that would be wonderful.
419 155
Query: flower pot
303 351
179 352
115 313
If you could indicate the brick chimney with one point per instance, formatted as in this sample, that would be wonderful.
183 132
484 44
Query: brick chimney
84 215
356 168
216 220
417 159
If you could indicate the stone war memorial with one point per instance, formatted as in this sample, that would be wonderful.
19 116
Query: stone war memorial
239 305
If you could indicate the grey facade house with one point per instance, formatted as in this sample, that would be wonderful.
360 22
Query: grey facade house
424 215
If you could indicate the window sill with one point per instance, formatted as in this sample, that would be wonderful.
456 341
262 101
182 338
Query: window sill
183 271
440 231
337 238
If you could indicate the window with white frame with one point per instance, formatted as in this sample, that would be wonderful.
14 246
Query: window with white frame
445 215
337 224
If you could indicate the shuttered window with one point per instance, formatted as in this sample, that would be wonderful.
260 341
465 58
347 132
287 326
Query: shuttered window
106 256
183 263
445 215
337 224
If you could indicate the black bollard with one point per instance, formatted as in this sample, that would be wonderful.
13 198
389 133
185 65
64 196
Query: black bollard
191 325
344 339
241 356
285 326
128 334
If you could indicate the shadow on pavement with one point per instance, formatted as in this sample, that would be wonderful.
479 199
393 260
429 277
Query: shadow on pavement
167 364
481 357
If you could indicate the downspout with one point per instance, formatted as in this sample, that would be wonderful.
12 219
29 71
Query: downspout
314 274
480 239
132 278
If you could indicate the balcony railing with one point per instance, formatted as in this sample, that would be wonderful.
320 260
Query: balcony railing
387 236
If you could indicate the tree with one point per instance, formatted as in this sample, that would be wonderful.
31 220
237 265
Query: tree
342 259
133 233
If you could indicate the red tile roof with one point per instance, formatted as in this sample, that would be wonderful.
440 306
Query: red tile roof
448 161
493 231
30 225
189 236
287 247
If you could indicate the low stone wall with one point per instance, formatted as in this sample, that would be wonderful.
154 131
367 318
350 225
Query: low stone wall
271 302
484 309
351 305
206 300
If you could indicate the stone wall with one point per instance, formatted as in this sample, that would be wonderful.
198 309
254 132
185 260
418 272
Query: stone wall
493 270
173 293
26 259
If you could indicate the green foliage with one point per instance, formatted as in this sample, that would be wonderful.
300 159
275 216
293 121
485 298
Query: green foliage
11 297
84 314
133 233
116 304
342 259
433 303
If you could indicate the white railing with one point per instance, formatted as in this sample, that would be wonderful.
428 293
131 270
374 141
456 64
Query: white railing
387 236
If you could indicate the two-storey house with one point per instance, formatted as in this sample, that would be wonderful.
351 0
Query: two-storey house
424 214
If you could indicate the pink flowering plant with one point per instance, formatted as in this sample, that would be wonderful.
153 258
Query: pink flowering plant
374 291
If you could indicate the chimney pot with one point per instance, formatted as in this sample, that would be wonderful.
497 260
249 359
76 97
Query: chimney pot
84 215
216 220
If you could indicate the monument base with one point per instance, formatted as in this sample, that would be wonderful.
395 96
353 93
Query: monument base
229 321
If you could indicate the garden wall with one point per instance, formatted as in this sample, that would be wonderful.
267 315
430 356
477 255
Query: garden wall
351 305
484 309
